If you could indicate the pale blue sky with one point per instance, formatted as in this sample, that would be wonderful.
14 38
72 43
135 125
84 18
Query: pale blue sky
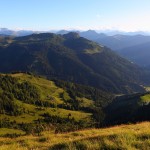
128 15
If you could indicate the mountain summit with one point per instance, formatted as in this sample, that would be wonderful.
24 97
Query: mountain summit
72 35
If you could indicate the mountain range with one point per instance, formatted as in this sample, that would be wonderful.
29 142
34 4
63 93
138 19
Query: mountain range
8 32
135 48
116 41
72 58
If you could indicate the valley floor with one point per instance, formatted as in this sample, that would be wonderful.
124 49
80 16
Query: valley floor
127 137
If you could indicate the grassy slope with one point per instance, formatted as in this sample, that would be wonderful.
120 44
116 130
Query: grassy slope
47 90
4 131
128 137
145 98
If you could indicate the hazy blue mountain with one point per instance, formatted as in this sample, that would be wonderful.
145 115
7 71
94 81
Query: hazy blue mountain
62 32
115 32
92 35
139 54
117 42
5 31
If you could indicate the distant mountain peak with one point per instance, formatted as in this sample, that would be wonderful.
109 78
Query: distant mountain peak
72 35
62 32
36 36
91 31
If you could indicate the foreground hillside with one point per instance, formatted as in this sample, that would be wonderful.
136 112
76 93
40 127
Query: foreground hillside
36 113
128 137
31 104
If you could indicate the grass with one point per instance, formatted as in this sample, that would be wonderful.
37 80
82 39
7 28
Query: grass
128 137
35 113
84 102
45 87
147 88
4 131
48 92
96 50
48 89
145 98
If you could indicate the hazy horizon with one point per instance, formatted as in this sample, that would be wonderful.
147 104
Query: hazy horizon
128 16
74 30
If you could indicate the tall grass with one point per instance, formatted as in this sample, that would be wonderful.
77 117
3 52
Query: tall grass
124 137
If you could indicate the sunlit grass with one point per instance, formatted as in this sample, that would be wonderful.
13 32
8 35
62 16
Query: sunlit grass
147 88
47 90
127 137
145 98
4 131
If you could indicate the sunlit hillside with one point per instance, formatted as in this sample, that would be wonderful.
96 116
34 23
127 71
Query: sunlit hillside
127 137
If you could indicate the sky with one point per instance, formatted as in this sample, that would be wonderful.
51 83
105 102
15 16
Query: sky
124 15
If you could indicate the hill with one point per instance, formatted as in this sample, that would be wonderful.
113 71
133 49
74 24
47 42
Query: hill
128 137
36 113
31 104
128 108
27 101
72 58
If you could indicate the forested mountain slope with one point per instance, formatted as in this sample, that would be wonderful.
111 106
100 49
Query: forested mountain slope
72 58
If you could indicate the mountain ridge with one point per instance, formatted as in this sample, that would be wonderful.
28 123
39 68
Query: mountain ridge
71 58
